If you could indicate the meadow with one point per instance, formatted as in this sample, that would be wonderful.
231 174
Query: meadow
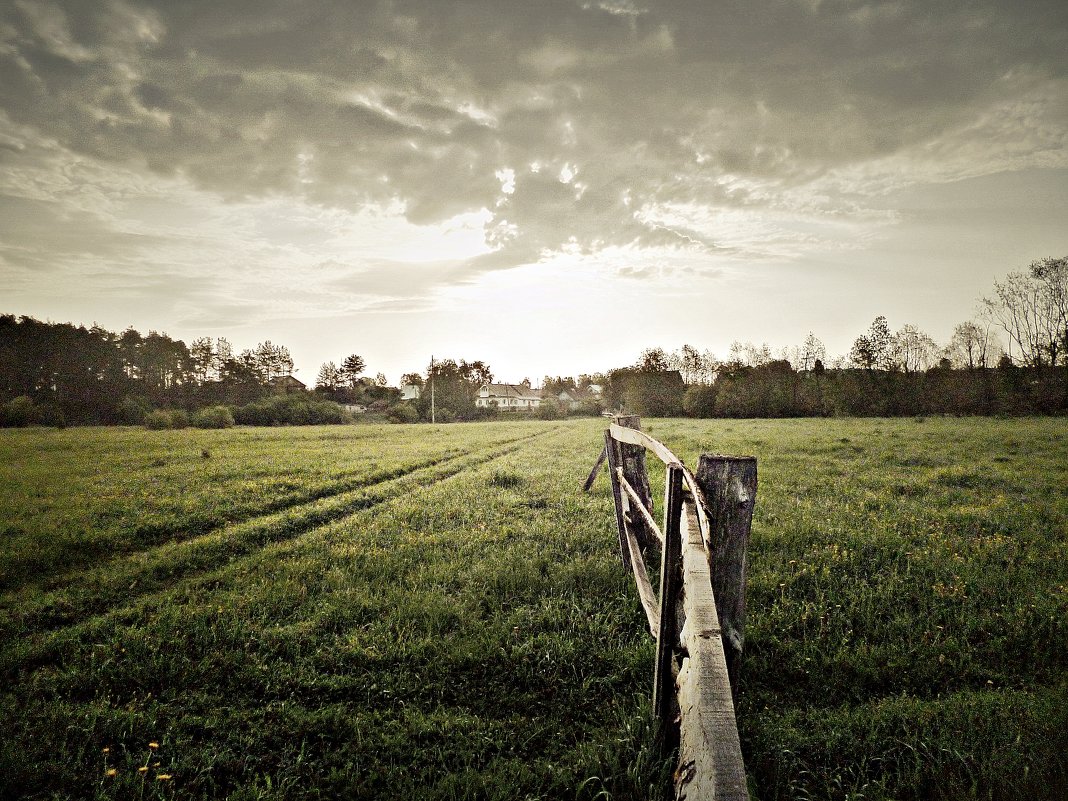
440 612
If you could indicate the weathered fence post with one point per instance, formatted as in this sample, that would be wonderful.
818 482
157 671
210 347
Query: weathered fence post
670 579
632 459
729 484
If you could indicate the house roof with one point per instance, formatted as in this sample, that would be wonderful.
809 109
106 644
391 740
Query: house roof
287 380
511 391
577 395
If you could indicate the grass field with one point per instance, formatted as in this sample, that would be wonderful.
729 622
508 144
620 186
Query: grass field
439 612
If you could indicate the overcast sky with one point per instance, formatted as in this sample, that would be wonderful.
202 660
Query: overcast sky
547 185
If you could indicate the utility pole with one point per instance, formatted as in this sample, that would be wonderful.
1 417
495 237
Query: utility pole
433 415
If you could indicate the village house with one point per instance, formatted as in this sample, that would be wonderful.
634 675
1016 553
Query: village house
286 384
410 392
572 399
508 397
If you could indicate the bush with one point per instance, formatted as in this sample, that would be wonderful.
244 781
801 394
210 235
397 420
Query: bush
49 414
549 409
158 420
213 417
403 413
297 410
18 412
699 401
179 418
133 409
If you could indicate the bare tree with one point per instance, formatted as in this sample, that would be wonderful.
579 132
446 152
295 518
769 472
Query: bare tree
1024 308
913 350
972 345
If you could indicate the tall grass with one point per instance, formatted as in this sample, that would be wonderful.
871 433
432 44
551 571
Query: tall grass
408 611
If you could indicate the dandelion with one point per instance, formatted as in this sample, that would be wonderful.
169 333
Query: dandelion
142 769
153 745
111 772
106 750
163 777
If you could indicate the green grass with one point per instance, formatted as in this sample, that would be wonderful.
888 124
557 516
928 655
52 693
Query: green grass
439 612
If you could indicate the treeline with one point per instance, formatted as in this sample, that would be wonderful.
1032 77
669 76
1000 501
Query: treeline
886 373
61 373
776 389
1011 359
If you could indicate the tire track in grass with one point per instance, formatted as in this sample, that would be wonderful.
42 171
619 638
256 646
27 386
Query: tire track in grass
55 581
18 576
39 649
137 575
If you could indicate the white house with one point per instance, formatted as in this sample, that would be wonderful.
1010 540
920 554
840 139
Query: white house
410 392
508 397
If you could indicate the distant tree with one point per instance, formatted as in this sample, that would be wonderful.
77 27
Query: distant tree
351 370
1032 308
380 380
586 380
455 387
411 379
690 363
871 351
202 353
912 350
972 346
653 360
554 386
329 378
812 350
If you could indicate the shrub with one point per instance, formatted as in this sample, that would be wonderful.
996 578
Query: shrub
213 417
133 409
294 410
403 413
179 418
49 414
18 412
700 401
158 420
549 409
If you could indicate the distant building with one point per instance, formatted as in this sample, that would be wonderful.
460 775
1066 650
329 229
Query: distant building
286 384
411 392
572 399
354 408
508 397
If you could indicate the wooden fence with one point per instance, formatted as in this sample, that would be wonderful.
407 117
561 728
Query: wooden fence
698 619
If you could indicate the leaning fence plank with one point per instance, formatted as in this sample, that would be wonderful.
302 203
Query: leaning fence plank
667 637
729 484
645 587
593 473
710 756
650 524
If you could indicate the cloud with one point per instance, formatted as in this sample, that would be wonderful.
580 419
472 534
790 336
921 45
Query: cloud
611 116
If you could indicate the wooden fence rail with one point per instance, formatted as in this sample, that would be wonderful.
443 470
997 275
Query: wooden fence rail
698 619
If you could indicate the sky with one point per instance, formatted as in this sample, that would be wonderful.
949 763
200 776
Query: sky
550 186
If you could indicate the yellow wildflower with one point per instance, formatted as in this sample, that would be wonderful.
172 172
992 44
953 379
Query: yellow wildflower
142 769
111 772
164 777
153 745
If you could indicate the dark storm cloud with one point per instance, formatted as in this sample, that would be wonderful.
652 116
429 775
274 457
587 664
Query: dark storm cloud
598 109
